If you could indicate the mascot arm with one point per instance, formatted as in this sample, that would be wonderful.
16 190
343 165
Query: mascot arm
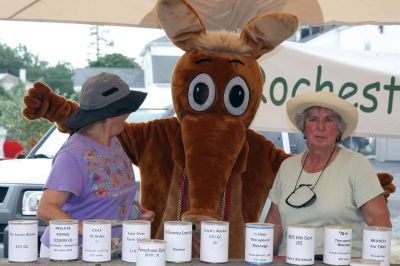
141 139
263 164
41 102
151 146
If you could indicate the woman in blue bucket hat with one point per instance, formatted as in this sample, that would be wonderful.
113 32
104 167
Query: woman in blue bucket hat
91 176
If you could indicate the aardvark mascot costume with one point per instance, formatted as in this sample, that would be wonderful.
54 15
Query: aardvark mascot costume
206 164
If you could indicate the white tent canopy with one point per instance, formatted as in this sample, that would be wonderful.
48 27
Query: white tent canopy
371 81
218 14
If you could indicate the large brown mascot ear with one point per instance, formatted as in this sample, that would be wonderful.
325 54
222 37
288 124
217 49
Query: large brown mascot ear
183 33
264 32
187 31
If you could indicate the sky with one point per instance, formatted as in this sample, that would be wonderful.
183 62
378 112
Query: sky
55 42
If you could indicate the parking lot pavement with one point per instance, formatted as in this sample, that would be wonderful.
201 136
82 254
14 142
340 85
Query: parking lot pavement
393 204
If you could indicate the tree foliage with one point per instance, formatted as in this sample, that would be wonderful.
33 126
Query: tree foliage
19 128
59 78
11 61
114 60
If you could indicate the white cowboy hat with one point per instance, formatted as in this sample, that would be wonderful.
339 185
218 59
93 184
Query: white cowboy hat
298 104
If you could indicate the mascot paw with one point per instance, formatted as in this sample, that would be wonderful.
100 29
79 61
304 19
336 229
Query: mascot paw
42 102
386 181
36 101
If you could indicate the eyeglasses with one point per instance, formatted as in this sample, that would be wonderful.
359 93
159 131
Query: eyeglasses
301 197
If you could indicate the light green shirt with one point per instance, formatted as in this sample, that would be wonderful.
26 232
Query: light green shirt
345 185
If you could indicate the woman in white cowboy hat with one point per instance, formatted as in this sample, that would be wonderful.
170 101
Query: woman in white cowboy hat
91 175
327 184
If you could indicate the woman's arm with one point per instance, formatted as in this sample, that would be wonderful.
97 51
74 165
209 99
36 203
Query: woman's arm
274 217
376 212
50 207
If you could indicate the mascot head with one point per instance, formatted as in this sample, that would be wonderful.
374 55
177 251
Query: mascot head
216 89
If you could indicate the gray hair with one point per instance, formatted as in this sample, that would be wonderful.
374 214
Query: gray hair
301 118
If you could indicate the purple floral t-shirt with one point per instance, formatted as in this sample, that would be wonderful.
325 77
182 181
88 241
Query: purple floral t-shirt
100 179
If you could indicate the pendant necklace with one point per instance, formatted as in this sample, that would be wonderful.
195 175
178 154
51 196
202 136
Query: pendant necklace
302 167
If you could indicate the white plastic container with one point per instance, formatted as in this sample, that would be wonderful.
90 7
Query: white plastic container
151 252
96 242
337 244
64 243
377 243
300 244
132 231
178 235
214 241
259 243
22 240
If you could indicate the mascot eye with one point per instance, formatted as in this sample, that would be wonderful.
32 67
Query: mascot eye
201 92
236 96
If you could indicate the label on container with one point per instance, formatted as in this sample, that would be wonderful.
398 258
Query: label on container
151 252
214 241
96 242
133 231
377 243
300 244
63 240
23 240
337 244
178 235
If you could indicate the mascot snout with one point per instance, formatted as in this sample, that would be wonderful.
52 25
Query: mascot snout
212 147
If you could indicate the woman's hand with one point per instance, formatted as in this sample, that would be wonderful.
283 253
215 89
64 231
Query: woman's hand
146 214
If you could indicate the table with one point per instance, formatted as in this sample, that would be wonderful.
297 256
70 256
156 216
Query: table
279 261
